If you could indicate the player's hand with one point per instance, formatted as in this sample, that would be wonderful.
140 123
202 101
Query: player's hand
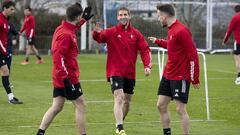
153 39
30 39
68 86
196 86
147 71
19 33
97 27
87 13
223 44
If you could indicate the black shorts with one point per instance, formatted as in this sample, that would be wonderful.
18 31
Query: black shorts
73 95
176 89
31 41
118 82
236 50
2 60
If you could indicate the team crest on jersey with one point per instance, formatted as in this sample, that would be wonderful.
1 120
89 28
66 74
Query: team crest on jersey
5 26
131 36
171 37
74 40
119 36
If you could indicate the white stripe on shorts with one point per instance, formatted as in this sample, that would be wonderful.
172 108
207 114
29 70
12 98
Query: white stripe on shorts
183 86
235 45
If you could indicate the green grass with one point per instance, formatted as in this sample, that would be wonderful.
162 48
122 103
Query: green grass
32 84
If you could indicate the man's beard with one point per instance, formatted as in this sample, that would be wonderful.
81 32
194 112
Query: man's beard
123 21
164 24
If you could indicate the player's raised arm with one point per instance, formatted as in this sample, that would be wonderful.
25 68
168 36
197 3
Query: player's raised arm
98 34
160 42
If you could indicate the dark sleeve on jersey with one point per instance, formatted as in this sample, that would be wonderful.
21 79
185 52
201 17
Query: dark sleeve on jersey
185 39
162 43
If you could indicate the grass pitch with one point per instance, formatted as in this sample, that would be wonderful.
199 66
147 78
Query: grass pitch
32 84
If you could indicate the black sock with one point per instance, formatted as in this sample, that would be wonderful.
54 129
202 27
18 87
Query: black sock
26 59
38 56
120 127
167 131
238 74
6 84
40 132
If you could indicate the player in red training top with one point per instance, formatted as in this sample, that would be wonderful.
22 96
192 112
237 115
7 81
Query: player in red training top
234 26
182 68
8 8
123 43
29 28
65 71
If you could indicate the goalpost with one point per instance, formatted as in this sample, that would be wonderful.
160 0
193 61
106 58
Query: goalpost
161 58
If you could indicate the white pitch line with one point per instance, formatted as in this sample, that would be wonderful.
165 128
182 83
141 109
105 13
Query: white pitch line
105 123
100 80
96 80
221 71
91 101
221 78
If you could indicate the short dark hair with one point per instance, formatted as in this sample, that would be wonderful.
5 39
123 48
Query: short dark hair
166 8
124 8
74 11
7 4
29 8
237 8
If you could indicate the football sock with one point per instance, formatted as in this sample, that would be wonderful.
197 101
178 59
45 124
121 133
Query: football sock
26 59
167 131
40 132
38 56
238 74
6 84
120 127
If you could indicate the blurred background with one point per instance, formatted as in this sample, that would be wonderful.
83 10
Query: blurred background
207 20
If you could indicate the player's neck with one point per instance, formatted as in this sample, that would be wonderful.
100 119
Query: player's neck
5 14
73 23
126 26
171 21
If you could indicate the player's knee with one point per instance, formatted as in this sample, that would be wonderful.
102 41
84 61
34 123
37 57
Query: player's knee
161 107
126 103
57 108
180 110
5 72
118 98
80 104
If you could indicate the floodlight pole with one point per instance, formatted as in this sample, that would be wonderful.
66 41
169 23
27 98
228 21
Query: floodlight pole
84 29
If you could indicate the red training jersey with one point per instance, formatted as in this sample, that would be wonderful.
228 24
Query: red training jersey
3 34
233 26
29 26
183 61
64 54
123 46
